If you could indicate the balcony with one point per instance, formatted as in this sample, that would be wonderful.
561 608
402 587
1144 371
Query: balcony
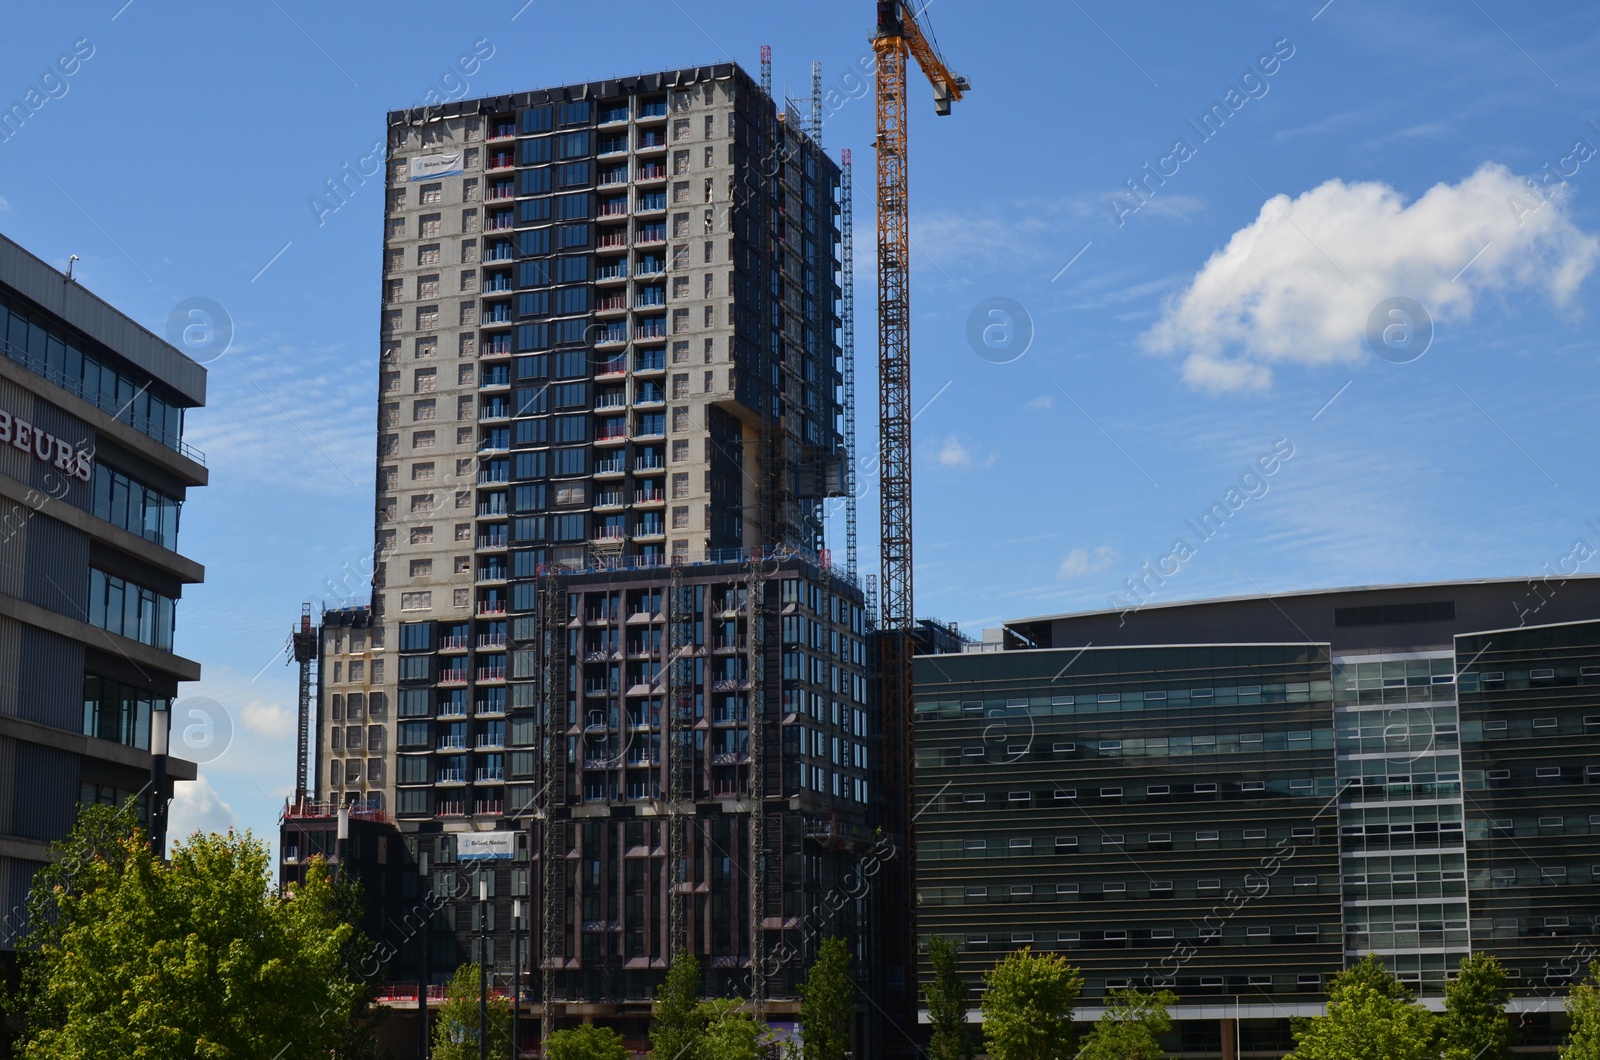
491 574
653 202
613 175
491 607
643 531
651 234
452 743
649 497
655 328
491 640
614 303
490 776
614 334
651 298
503 130
619 271
488 808
653 171
612 366
618 466
452 809
612 115
611 434
489 742
653 109
496 346
650 361
613 239
500 540
605 534
497 410
453 677
650 265
611 399
456 643
501 160
496 192
491 673
652 139
649 463
492 508
614 208
608 499
451 776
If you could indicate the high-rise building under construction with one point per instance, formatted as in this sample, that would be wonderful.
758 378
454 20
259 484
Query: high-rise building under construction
604 622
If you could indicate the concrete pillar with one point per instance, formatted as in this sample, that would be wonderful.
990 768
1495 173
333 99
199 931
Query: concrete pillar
1229 1030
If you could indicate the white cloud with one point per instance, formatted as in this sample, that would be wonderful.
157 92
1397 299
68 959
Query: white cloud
196 807
268 719
1297 285
5 207
1081 561
956 453
1042 403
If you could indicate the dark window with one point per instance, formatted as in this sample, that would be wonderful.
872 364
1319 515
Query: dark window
571 364
414 703
533 304
571 429
574 268
1395 614
414 667
572 330
533 274
533 367
533 243
573 144
572 300
532 337
568 528
575 206
533 211
572 175
528 528
569 236
530 401
536 119
570 462
575 112
529 497
532 432
534 152
572 395
416 636
531 465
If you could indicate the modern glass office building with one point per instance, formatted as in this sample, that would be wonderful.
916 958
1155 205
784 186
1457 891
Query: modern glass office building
93 475
1233 799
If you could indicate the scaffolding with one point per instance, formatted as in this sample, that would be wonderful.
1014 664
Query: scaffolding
303 650
551 796
680 762
766 69
847 318
757 609
815 127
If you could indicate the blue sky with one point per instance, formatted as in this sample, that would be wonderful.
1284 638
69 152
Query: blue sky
1357 154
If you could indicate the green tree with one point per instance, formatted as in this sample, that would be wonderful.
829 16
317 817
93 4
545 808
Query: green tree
732 1033
1475 1026
586 1042
947 994
678 1021
1370 1014
1128 1031
827 1003
1027 1006
1583 1009
455 1028
127 956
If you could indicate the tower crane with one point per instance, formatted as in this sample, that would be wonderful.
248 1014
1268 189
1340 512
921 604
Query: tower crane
898 36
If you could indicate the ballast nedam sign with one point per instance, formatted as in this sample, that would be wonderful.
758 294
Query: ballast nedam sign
45 446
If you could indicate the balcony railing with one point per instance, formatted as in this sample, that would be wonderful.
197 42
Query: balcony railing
491 640
490 775
502 160
488 808
491 607
651 329
455 643
656 171
452 776
610 467
453 677
497 345
608 499
649 496
452 743
618 271
493 541
610 434
452 809
491 673
613 239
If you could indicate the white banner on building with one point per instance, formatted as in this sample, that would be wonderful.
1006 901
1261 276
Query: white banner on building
485 846
426 167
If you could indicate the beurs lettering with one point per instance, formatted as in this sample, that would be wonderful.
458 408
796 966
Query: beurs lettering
45 446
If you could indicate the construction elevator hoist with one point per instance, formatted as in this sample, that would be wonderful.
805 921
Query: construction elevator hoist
898 35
